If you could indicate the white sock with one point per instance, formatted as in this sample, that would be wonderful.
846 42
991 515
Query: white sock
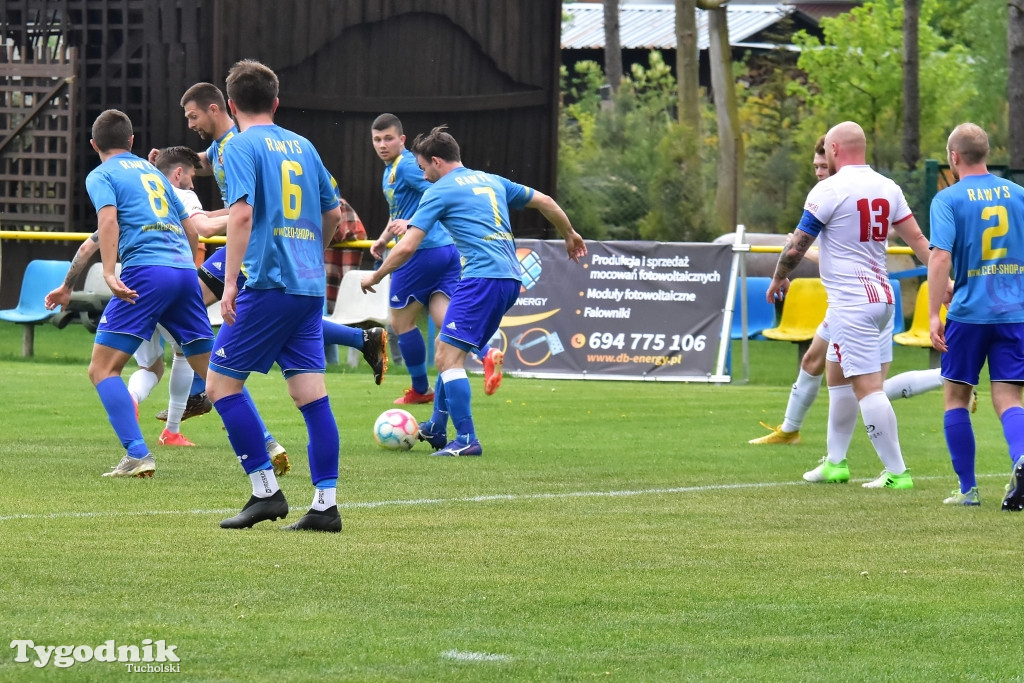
801 397
880 422
912 383
178 388
141 383
324 498
264 483
842 419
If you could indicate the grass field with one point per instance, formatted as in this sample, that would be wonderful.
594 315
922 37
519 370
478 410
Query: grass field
611 531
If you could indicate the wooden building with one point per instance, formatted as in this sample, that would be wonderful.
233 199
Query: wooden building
487 69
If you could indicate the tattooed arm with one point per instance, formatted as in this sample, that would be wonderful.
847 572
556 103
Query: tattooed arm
792 253
61 295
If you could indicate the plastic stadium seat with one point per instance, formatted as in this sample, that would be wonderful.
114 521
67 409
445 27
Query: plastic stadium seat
87 304
40 278
803 309
760 313
352 307
919 333
899 323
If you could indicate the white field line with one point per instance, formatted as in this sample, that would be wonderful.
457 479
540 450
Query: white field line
460 656
497 497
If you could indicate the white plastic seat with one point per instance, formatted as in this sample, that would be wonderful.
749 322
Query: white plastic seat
352 307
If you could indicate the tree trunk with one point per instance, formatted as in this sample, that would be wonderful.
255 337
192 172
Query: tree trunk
1015 81
612 44
911 147
688 65
730 144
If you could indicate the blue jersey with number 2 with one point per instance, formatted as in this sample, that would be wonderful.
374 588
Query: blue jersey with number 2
980 221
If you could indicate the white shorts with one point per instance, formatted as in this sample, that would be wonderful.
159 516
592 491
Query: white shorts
861 337
822 330
149 352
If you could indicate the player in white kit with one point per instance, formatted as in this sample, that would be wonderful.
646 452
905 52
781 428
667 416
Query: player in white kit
853 211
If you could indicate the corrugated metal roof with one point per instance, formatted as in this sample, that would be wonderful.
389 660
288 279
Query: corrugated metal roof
649 26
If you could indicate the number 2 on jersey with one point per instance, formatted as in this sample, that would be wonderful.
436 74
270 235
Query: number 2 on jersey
874 219
1002 226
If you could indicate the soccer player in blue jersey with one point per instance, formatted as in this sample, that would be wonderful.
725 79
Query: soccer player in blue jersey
208 116
473 206
281 210
977 232
429 278
143 224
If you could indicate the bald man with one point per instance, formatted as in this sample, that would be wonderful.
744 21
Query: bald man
978 234
853 211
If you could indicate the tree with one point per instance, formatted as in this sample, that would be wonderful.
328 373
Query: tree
1015 81
687 65
856 74
911 87
730 142
612 44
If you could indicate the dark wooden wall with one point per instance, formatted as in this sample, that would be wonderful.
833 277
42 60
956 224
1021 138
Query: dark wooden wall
487 68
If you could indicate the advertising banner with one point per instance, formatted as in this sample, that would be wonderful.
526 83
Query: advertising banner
630 310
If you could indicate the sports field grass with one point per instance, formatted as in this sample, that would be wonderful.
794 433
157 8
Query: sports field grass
611 531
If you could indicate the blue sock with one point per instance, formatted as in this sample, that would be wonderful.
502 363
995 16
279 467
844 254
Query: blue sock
481 353
335 333
457 391
324 442
414 352
259 419
121 412
439 418
1013 430
243 422
198 385
960 441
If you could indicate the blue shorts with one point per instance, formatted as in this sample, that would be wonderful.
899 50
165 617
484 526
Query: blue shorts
271 327
970 344
476 309
428 271
212 273
168 296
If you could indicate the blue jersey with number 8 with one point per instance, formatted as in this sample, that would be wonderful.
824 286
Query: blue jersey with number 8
149 213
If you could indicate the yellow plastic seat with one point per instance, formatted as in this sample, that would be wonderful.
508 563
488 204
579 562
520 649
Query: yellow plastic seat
803 309
919 333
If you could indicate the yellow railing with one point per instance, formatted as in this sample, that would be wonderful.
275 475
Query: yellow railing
81 236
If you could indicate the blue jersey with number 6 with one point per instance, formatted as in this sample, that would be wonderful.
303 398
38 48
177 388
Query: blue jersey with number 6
280 174
149 213
980 221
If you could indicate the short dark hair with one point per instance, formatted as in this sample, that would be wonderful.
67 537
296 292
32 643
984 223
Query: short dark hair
112 130
819 146
204 94
170 158
252 86
437 143
385 121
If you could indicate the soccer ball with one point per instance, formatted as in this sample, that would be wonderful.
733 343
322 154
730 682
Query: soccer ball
396 429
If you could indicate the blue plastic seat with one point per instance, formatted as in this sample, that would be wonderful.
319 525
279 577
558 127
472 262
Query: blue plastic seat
40 278
760 313
898 322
